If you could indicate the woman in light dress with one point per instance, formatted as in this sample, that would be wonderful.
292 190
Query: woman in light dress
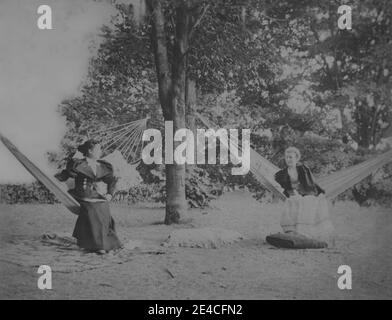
306 209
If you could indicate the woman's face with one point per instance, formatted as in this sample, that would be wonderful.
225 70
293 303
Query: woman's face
291 159
96 152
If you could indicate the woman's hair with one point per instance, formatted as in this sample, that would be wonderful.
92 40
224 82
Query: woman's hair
87 146
293 150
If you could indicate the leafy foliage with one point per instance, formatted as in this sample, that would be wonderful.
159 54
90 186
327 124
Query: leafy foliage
26 193
281 68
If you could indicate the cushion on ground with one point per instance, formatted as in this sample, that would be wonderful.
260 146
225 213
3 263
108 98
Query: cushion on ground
202 238
294 241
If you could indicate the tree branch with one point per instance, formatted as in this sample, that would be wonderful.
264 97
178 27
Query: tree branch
199 19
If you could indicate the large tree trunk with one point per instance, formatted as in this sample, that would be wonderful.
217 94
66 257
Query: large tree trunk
176 205
159 46
172 96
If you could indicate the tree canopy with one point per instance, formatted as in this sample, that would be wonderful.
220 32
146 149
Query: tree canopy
281 68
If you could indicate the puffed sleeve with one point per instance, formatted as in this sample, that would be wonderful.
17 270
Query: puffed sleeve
279 178
110 179
68 172
310 175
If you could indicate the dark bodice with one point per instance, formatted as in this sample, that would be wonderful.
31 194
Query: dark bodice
305 184
85 179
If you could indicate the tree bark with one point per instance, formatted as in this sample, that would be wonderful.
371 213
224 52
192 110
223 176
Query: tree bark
159 46
190 101
176 205
172 95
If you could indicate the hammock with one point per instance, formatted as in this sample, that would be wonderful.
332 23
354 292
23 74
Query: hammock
55 187
333 184
125 138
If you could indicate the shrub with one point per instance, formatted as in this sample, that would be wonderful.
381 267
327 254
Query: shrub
34 192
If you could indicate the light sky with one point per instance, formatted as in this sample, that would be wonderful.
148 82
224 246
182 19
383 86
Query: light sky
40 68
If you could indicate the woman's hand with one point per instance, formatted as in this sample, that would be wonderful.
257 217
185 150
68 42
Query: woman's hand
108 197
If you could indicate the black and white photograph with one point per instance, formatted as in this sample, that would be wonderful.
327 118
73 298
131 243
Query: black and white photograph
215 151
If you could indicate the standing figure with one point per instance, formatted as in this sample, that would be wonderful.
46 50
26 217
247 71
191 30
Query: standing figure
306 210
95 227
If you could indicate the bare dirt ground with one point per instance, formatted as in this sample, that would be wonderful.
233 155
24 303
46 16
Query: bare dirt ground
249 269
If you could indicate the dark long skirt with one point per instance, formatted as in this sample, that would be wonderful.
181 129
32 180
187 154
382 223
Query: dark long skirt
95 229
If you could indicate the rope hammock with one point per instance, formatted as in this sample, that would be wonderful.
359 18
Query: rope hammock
54 186
125 138
333 184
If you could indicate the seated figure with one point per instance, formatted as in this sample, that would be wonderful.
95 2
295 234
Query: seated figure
306 209
95 228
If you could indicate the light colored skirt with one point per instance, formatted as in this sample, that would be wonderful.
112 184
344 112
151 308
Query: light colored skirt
309 216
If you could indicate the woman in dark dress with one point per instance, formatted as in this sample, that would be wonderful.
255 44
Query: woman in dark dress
306 209
95 227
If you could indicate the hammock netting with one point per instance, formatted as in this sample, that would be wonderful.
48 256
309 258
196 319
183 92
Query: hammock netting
123 144
53 185
333 184
126 138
